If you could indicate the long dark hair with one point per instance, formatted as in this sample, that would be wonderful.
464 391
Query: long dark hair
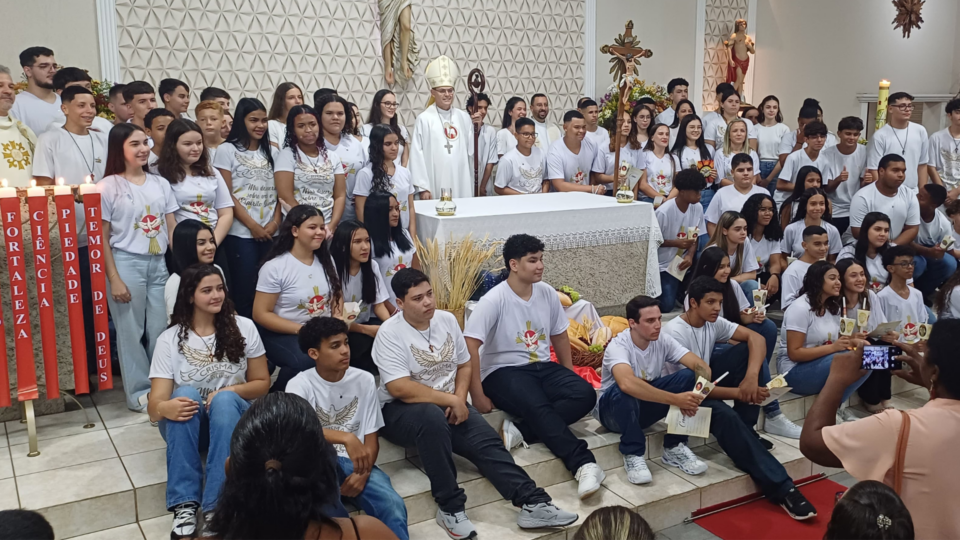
231 345
653 131
340 249
169 165
511 103
863 242
239 136
376 218
184 248
681 142
813 288
857 513
779 117
375 117
708 265
798 188
282 472
280 100
632 139
842 267
676 117
327 99
805 198
284 243
381 180
751 213
291 141
116 162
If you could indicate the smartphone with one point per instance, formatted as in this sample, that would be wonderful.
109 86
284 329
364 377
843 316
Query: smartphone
881 357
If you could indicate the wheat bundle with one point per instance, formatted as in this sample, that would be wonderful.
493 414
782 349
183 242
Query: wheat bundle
454 268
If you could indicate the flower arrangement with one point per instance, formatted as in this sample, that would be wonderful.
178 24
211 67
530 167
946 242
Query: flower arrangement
101 94
608 104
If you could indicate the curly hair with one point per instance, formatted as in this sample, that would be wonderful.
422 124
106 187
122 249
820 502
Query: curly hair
284 243
230 342
813 288
291 141
381 180
751 213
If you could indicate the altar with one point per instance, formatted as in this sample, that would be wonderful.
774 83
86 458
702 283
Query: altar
605 250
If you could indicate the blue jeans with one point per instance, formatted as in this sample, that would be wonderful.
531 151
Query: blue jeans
669 286
705 197
768 330
808 378
767 167
244 256
739 441
140 321
930 273
283 350
378 498
748 286
207 430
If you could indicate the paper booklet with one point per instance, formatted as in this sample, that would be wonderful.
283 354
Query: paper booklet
633 176
777 387
674 268
883 328
697 425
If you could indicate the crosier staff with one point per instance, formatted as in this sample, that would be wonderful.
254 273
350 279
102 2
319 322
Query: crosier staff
476 83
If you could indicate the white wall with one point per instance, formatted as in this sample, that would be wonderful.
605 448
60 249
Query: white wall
69 27
667 27
833 49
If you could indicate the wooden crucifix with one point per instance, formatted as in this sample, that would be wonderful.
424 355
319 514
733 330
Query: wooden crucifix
626 52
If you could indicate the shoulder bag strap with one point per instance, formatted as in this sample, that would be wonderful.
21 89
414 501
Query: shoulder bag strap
899 461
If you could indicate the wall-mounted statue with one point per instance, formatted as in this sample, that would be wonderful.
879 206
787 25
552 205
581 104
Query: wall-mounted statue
400 52
739 45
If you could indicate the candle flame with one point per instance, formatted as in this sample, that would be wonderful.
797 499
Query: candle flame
60 181
884 81
33 182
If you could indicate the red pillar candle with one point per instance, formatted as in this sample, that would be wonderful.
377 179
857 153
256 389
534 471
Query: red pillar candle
98 283
22 335
67 221
40 229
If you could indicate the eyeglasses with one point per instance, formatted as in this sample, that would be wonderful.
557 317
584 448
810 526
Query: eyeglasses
389 104
444 91
46 66
910 264
904 107
527 135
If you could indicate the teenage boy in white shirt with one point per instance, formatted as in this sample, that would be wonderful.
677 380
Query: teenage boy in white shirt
424 379
943 154
888 195
38 106
598 135
571 159
523 169
155 125
678 219
934 264
701 328
73 76
898 300
850 159
516 322
635 395
487 143
678 89
345 399
815 134
903 137
731 198
141 98
816 243
175 95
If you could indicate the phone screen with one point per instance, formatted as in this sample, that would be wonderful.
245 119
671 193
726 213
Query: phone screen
881 357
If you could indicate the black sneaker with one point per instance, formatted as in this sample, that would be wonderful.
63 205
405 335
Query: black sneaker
798 506
184 521
767 443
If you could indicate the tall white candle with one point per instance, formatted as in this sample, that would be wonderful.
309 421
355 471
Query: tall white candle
34 191
7 191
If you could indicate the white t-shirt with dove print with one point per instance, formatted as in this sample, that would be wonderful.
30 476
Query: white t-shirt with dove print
430 357
393 263
195 365
514 331
349 405
303 289
137 214
199 197
353 291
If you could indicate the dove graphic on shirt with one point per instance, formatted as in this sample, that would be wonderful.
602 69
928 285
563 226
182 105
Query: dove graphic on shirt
207 369
436 366
340 420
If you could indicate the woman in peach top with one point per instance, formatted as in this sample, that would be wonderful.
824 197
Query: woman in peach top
867 448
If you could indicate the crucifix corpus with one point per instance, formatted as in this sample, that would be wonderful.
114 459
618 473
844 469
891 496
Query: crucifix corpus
626 52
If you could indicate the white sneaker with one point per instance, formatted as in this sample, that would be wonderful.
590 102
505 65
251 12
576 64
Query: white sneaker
782 426
184 521
540 515
683 458
457 526
637 470
590 475
848 415
511 436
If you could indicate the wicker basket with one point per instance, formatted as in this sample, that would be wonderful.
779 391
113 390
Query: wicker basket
459 314
586 358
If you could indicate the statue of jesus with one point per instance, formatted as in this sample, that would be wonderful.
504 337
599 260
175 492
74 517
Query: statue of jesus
399 44
739 45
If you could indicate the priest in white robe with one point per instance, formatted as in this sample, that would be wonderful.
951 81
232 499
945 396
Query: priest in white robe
441 153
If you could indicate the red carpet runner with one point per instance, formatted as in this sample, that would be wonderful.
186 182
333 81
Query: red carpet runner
763 520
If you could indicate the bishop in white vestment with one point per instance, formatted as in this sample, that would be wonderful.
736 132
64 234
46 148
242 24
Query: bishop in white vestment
441 153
